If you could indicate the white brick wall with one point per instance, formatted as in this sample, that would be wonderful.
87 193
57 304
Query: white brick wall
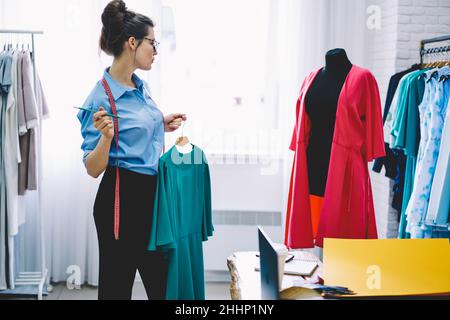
427 19
394 48
382 63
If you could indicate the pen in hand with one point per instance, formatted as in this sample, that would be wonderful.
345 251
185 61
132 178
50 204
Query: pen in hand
92 110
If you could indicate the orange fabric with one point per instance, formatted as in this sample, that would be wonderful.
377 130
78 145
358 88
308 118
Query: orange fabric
316 208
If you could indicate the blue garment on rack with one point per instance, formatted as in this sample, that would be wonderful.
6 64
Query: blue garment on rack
399 181
395 161
439 207
391 162
5 82
405 134
432 114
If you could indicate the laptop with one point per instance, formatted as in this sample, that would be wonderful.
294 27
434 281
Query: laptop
269 267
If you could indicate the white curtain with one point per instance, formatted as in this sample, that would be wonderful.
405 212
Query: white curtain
301 31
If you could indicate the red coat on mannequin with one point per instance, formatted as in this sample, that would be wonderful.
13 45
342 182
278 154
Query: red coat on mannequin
348 210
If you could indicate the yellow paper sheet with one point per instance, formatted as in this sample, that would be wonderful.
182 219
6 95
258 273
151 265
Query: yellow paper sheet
388 267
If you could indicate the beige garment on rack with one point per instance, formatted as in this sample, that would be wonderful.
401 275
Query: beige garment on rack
32 106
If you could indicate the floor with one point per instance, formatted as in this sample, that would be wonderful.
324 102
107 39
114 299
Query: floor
214 291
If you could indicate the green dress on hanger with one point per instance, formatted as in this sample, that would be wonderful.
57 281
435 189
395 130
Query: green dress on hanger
182 220
406 134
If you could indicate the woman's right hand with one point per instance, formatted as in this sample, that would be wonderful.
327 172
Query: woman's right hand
104 123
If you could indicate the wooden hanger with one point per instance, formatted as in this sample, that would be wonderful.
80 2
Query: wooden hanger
427 64
182 140
441 62
447 59
436 64
446 64
432 63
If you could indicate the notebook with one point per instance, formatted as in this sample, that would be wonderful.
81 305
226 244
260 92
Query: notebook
299 267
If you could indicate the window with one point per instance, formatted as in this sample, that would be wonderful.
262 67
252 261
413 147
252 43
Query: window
214 58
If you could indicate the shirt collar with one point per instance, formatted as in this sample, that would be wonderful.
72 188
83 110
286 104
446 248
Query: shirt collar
444 71
429 73
118 89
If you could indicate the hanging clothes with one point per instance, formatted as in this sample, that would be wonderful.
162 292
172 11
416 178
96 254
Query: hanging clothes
439 209
432 115
28 121
403 133
347 210
389 162
392 88
7 203
18 97
415 125
5 82
12 157
395 161
182 220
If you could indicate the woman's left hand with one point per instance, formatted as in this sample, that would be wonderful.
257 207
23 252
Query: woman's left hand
173 121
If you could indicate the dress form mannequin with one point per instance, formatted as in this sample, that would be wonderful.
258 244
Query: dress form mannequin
339 129
321 104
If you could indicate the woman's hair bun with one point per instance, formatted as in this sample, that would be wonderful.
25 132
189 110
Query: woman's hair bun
114 13
121 6
119 24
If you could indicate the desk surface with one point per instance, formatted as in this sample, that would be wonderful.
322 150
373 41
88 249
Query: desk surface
246 284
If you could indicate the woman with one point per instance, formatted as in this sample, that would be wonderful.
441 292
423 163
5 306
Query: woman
123 207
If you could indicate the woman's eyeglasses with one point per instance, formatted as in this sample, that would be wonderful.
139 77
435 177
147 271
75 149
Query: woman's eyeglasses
153 42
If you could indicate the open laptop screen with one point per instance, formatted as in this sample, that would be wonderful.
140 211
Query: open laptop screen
268 266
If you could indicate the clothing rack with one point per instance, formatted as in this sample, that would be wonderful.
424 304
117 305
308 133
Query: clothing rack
33 56
442 49
38 278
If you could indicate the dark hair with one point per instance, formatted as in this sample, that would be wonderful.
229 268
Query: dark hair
119 24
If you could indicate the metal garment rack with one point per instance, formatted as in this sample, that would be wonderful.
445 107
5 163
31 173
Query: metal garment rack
37 278
435 50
